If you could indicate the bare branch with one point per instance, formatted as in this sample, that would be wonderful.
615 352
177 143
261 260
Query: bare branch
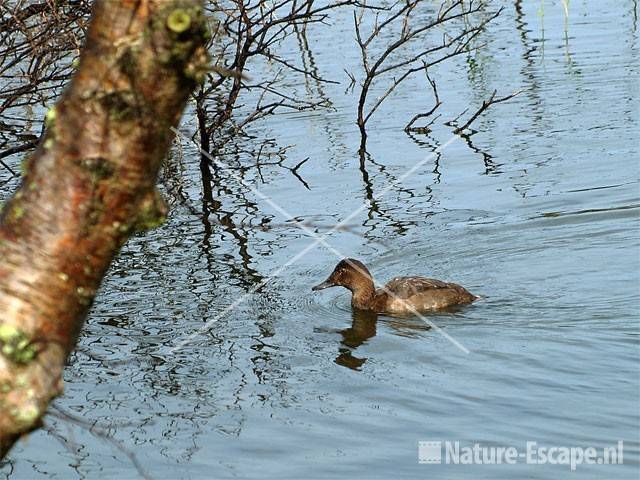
485 105
401 18
409 127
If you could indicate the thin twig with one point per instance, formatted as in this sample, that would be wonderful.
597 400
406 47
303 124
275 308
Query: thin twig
485 105
61 414
409 127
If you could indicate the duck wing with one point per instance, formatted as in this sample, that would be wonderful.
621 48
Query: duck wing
404 295
406 287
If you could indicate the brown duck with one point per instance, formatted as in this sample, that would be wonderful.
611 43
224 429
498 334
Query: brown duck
402 295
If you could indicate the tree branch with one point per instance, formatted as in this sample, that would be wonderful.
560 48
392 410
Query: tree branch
485 105
87 188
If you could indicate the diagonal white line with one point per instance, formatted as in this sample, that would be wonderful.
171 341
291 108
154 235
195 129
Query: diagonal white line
273 275
318 239
388 187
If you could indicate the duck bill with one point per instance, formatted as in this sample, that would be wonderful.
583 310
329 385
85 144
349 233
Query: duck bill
323 285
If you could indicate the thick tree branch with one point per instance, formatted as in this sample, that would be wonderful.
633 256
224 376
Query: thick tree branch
87 188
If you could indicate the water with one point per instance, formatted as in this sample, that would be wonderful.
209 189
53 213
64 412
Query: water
537 213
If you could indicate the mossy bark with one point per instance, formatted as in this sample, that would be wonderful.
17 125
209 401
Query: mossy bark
87 188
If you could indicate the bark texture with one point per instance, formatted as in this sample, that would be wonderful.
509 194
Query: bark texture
87 188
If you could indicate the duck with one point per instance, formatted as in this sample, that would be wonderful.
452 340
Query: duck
400 296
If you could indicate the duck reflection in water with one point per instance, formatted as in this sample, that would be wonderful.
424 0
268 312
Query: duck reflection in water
363 327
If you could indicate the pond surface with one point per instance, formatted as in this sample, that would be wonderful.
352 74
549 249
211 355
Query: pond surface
537 213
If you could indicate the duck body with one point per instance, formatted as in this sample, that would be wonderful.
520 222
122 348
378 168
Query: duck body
401 296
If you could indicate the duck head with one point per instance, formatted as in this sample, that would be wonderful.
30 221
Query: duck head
349 273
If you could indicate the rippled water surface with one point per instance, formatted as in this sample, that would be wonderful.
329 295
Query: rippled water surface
537 213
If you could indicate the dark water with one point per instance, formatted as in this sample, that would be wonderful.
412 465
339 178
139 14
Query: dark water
538 213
